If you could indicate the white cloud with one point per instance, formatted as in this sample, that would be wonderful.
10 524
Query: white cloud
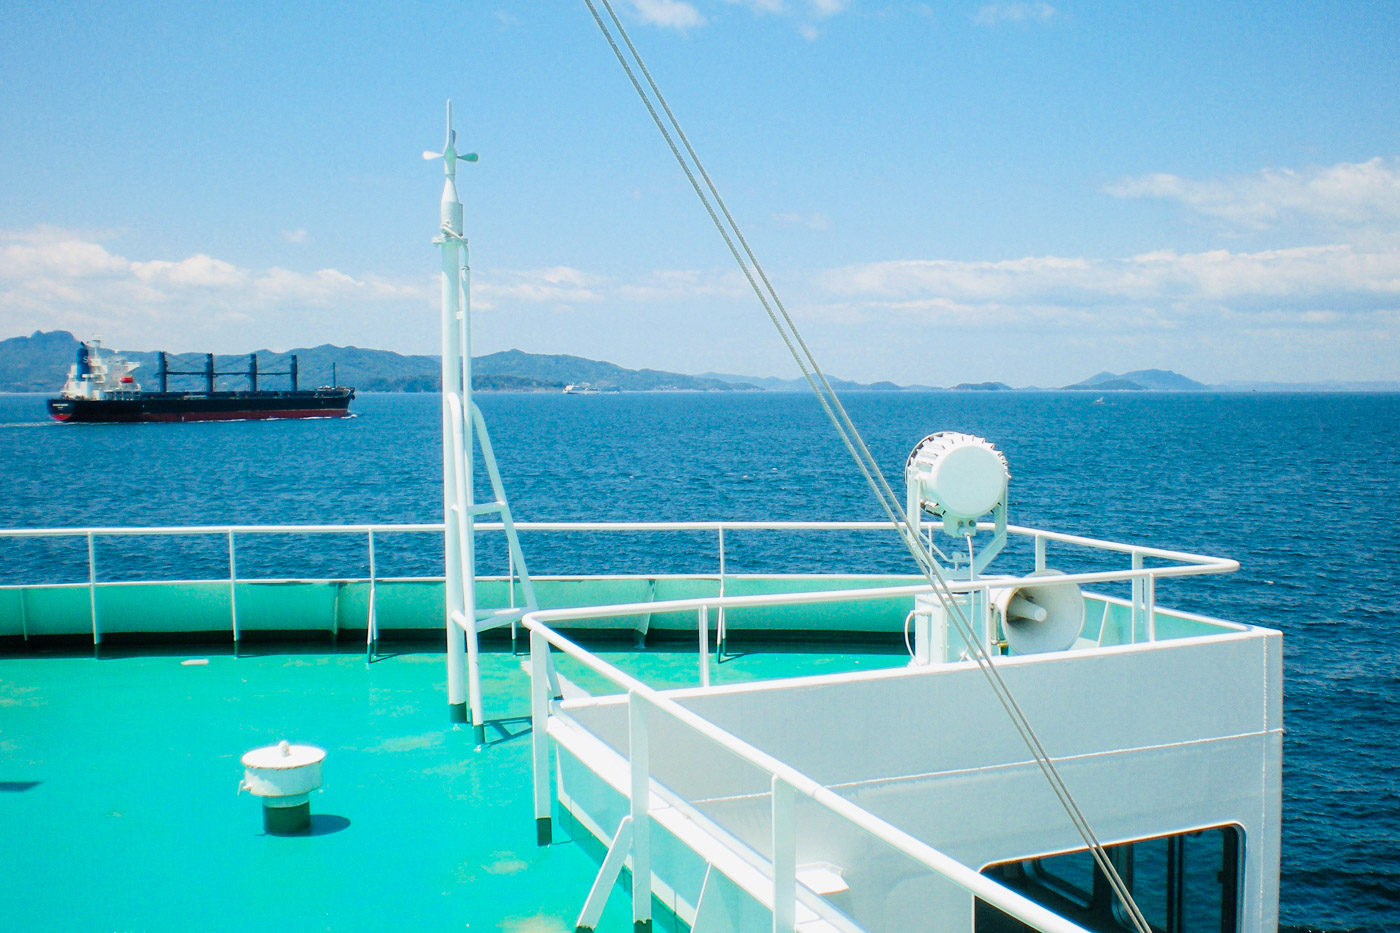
298 235
558 285
1347 195
669 285
812 221
808 10
198 270
763 6
51 277
45 250
670 14
993 14
1295 282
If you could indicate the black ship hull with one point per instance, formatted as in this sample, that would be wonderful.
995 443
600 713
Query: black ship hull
204 406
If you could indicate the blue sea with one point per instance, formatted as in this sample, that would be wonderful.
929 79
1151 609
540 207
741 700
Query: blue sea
1301 489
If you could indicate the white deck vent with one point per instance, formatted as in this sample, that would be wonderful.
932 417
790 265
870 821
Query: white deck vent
283 775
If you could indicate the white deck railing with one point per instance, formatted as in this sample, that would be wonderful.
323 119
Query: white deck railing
785 783
784 780
1143 579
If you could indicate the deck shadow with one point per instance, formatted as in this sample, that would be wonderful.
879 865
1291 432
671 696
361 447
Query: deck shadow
504 733
322 824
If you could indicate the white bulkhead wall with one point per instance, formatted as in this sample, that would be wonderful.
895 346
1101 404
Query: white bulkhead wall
1151 740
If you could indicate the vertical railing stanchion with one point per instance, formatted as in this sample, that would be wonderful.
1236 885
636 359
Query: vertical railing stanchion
539 740
1137 620
92 591
639 759
784 857
474 700
233 591
510 585
1150 606
1039 552
703 624
719 621
982 601
372 623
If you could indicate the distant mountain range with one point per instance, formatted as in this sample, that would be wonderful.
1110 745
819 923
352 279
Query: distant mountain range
39 363
774 384
1157 380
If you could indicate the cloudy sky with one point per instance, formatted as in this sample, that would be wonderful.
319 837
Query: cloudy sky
942 192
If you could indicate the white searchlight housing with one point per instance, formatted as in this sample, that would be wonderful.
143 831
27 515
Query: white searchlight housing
957 478
955 481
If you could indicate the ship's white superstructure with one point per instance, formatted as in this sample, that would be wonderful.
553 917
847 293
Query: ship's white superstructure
922 797
100 373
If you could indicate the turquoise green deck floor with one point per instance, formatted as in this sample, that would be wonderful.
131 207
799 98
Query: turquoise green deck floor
119 808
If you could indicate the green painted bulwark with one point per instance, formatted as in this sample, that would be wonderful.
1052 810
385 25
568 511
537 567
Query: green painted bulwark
327 606
205 607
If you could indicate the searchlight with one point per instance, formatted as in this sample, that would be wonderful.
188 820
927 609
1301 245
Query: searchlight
953 482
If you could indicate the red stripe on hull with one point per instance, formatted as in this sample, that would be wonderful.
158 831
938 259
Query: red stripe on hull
57 417
247 415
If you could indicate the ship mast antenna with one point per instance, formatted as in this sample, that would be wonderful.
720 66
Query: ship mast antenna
462 429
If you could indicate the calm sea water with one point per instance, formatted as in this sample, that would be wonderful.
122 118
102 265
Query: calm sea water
1302 490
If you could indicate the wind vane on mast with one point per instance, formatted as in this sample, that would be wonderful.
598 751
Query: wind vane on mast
451 205
463 431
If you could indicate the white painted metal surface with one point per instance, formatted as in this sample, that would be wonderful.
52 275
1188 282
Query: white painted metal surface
462 428
283 774
1144 613
1156 737
1041 614
108 375
958 477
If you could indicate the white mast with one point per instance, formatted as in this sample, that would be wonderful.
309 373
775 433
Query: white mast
462 426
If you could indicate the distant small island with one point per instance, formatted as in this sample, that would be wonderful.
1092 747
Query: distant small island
39 363
1157 380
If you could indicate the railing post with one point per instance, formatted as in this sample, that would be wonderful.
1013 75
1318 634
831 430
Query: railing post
784 857
474 705
510 587
233 590
92 591
639 759
539 739
1039 552
1150 606
372 623
1138 623
719 621
703 624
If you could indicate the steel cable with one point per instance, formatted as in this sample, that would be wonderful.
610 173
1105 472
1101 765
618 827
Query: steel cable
855 444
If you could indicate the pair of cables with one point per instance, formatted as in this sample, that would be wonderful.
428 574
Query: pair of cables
685 155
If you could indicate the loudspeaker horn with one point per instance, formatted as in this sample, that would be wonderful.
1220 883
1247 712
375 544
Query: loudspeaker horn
1041 617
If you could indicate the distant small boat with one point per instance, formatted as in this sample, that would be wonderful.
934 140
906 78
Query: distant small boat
1099 400
581 388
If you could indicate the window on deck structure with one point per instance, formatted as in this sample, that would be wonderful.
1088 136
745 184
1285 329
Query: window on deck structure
1185 883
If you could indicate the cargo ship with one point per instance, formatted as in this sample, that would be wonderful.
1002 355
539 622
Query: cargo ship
102 387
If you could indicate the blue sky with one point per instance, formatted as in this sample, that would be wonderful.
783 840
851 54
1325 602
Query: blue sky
942 192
